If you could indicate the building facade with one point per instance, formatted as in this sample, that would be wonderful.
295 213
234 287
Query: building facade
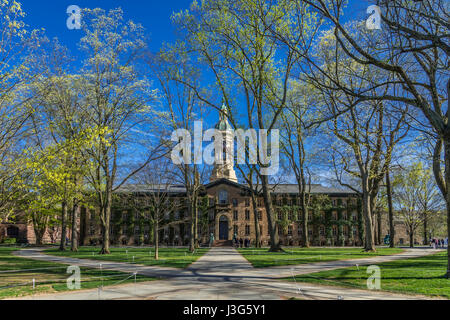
225 209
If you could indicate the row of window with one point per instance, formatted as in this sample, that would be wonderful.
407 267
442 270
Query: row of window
335 216
321 231
247 215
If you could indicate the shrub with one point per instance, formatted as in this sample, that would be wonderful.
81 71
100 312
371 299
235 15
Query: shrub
9 241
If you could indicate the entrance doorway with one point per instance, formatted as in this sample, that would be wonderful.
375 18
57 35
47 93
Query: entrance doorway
223 228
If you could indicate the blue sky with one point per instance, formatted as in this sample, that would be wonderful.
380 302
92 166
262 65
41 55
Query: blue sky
153 15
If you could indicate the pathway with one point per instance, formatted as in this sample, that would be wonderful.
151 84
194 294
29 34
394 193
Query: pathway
222 274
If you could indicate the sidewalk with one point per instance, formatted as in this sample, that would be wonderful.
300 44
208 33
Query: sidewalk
223 274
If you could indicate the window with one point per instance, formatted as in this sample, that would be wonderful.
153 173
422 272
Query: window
260 203
136 230
322 230
289 230
235 229
344 215
247 215
291 216
235 215
310 216
223 197
354 216
335 231
211 202
235 202
300 230
260 215
247 230
247 202
12 232
335 215
91 230
280 215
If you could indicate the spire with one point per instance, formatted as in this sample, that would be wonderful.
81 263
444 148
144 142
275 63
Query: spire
223 123
225 170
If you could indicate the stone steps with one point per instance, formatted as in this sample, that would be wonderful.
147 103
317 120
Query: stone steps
223 243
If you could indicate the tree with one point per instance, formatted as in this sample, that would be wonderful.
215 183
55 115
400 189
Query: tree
413 47
295 128
118 98
232 41
429 198
18 68
408 189
157 180
173 67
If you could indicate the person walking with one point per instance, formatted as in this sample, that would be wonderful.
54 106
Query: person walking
211 240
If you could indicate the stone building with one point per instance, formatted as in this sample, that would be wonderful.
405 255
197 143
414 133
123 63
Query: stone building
225 209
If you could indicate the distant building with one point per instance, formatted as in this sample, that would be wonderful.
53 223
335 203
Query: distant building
226 210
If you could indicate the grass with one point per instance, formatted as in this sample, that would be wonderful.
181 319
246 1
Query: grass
168 257
424 276
261 258
17 274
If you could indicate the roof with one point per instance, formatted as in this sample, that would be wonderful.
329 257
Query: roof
276 188
134 188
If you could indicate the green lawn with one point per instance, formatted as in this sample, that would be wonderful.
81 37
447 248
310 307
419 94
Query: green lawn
17 274
422 276
261 258
168 257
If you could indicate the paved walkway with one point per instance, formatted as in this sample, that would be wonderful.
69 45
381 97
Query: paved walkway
222 274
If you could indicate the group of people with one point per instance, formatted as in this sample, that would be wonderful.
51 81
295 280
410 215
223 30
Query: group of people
241 243
439 243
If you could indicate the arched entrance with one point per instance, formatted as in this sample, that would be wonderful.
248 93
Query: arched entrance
12 232
223 228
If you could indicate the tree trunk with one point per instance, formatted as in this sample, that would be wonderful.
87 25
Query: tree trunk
379 227
106 223
369 243
447 193
256 220
192 238
156 238
425 229
274 239
411 237
62 246
75 215
391 210
305 216
196 240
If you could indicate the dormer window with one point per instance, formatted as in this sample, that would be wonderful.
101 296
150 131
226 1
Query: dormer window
223 197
